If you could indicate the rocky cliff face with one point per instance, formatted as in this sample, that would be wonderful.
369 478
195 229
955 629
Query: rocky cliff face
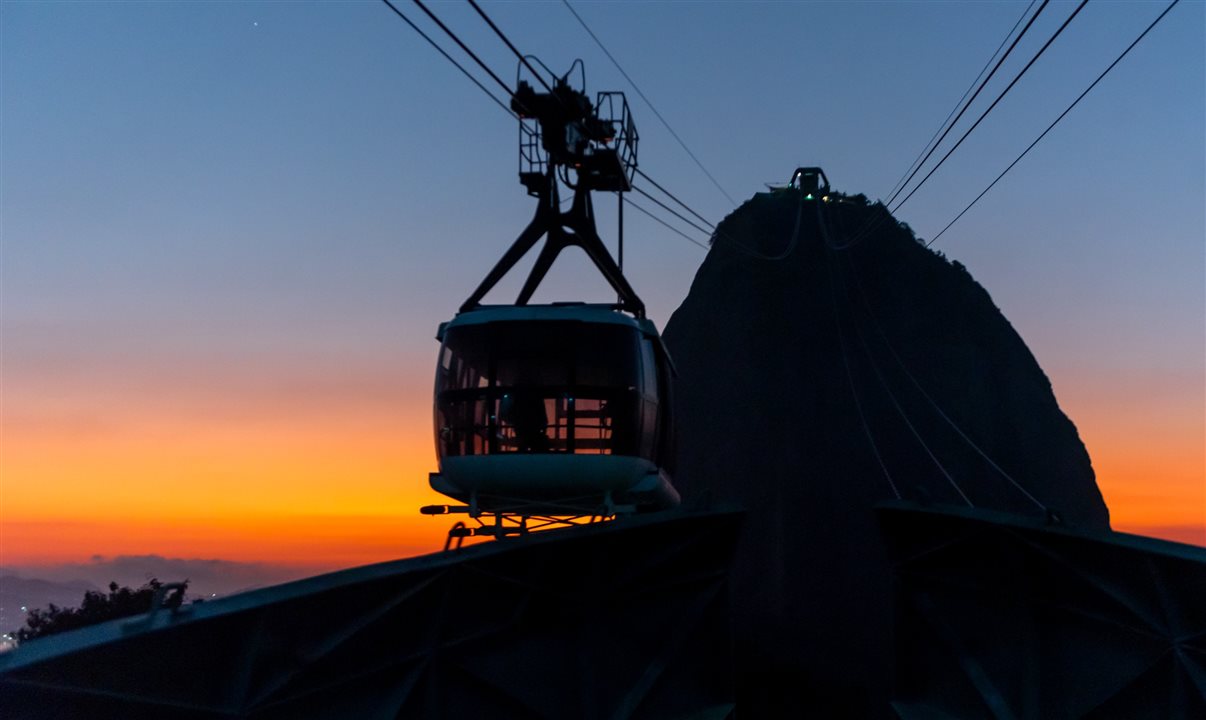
828 362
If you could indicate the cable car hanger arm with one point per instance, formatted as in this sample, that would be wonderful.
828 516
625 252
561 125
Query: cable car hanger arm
551 223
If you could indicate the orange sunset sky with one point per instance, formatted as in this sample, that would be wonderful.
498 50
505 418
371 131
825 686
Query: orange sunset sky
329 471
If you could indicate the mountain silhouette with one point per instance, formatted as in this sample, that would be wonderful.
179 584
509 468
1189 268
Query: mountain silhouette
827 362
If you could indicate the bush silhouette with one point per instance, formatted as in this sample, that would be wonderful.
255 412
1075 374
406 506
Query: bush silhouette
97 607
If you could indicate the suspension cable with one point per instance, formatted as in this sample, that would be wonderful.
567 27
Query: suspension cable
452 60
672 196
463 46
933 403
870 226
1053 124
994 104
862 418
522 58
895 403
715 230
508 110
670 210
788 249
917 161
668 226
972 99
904 416
648 102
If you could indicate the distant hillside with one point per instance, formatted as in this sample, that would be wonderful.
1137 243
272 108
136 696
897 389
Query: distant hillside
799 318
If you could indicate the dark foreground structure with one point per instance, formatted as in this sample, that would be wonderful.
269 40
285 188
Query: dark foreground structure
990 616
998 616
623 620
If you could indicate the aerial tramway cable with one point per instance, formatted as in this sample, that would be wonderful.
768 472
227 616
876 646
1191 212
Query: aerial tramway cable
858 405
670 210
934 140
872 225
648 102
887 342
464 47
933 404
1055 122
985 114
831 259
673 197
828 240
511 95
522 58
667 225
883 383
452 60
792 243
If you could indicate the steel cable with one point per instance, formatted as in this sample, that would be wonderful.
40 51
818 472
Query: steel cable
917 161
968 104
853 392
933 404
993 105
648 102
1053 124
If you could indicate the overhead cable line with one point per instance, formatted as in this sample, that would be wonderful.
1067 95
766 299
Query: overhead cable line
788 249
918 161
994 103
524 60
452 60
668 226
713 230
830 259
671 210
858 405
506 88
671 195
858 284
870 226
647 102
896 404
1056 122
513 115
502 36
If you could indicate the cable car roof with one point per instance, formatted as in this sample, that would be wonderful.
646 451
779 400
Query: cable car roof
580 312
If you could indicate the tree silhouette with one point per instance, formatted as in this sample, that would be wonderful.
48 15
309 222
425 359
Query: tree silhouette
97 607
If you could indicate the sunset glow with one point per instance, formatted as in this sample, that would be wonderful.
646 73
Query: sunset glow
337 481
310 477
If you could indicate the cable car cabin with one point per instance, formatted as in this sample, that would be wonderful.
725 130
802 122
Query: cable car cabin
553 410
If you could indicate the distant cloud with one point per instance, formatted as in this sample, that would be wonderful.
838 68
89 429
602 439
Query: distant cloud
205 576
